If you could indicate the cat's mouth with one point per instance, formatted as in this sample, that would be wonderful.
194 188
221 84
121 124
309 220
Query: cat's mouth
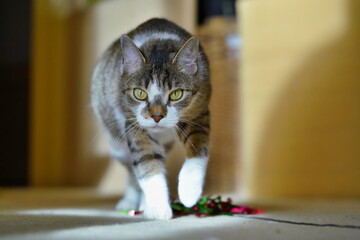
156 128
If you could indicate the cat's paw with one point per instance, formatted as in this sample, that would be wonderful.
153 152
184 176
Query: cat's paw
156 199
189 191
158 211
191 181
127 204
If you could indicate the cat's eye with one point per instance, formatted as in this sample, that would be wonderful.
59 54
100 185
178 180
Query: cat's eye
140 94
176 95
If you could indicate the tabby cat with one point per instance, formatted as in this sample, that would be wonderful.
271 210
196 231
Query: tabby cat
150 88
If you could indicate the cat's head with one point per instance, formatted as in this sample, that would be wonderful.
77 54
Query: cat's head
164 85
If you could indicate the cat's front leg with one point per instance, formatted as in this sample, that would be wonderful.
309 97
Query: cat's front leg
150 171
156 196
132 195
193 171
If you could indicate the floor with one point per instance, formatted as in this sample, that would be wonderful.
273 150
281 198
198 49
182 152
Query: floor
84 214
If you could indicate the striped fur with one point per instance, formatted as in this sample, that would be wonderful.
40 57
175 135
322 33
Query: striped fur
157 57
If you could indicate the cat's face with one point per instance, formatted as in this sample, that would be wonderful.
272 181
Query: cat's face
160 95
160 100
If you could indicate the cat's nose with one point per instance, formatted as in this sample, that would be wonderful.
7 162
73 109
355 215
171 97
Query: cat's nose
157 117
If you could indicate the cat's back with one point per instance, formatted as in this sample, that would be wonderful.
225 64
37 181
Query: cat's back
158 29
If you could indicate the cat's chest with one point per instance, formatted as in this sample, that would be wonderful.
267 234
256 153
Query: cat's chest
164 136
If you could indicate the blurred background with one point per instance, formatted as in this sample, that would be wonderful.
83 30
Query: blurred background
285 106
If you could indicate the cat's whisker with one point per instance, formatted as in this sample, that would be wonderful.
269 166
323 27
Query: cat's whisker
98 134
131 127
117 138
177 136
185 134
194 123
187 144
139 128
178 146
102 130
193 115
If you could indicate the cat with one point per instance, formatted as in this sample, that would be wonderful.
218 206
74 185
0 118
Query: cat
151 88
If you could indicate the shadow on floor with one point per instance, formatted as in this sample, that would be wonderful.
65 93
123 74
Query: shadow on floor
18 223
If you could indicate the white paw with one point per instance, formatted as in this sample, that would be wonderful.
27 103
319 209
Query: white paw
190 191
127 204
156 197
191 180
158 211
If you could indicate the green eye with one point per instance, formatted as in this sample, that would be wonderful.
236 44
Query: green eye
176 95
140 94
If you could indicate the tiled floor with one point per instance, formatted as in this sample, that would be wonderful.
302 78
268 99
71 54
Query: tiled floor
83 214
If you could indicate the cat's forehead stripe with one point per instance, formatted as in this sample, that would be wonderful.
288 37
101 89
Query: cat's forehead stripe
154 91
140 39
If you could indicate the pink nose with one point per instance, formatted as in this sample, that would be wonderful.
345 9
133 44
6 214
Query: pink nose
157 117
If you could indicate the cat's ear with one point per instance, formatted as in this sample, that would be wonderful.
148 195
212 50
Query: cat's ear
186 57
133 59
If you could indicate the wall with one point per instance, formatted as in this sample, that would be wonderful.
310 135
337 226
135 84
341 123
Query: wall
300 95
48 90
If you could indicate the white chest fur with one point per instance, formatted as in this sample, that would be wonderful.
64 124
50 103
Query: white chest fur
164 136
